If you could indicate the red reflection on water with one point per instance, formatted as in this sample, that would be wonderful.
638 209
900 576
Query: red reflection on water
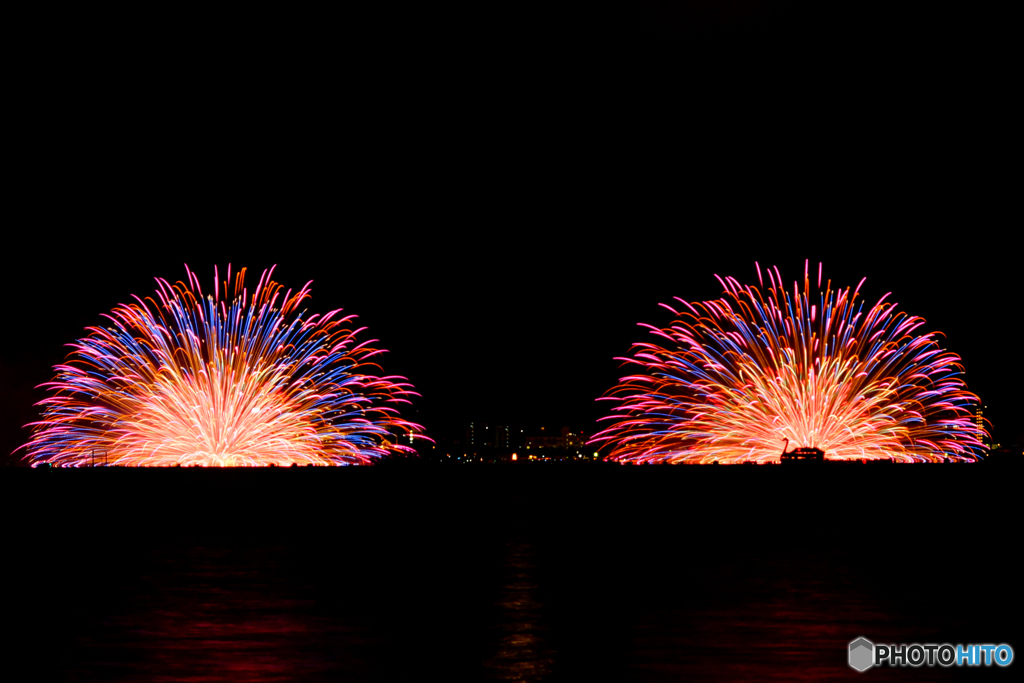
781 622
524 652
204 615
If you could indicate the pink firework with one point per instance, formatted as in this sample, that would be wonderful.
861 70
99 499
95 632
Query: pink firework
231 378
735 379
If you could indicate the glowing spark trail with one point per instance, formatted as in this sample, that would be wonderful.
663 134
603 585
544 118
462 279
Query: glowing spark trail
730 379
222 380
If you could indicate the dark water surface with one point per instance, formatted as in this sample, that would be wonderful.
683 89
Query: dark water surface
504 573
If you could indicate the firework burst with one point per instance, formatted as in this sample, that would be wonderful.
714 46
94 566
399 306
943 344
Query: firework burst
226 379
731 380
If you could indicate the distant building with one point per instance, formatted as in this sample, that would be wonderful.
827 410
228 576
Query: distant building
501 437
979 422
1005 455
478 435
565 439
573 439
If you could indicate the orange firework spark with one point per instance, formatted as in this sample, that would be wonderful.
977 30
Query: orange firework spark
734 378
221 380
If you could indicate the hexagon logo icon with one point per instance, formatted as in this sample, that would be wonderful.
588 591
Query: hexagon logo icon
862 654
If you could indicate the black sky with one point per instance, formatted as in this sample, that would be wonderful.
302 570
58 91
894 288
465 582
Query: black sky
502 205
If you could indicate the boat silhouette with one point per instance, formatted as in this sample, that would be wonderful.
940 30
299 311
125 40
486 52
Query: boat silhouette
801 455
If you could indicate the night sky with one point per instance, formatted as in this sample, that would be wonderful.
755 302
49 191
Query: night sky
501 206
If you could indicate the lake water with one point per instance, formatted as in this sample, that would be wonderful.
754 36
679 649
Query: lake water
504 573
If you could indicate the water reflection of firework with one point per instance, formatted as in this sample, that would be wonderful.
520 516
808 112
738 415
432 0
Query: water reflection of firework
730 379
230 378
